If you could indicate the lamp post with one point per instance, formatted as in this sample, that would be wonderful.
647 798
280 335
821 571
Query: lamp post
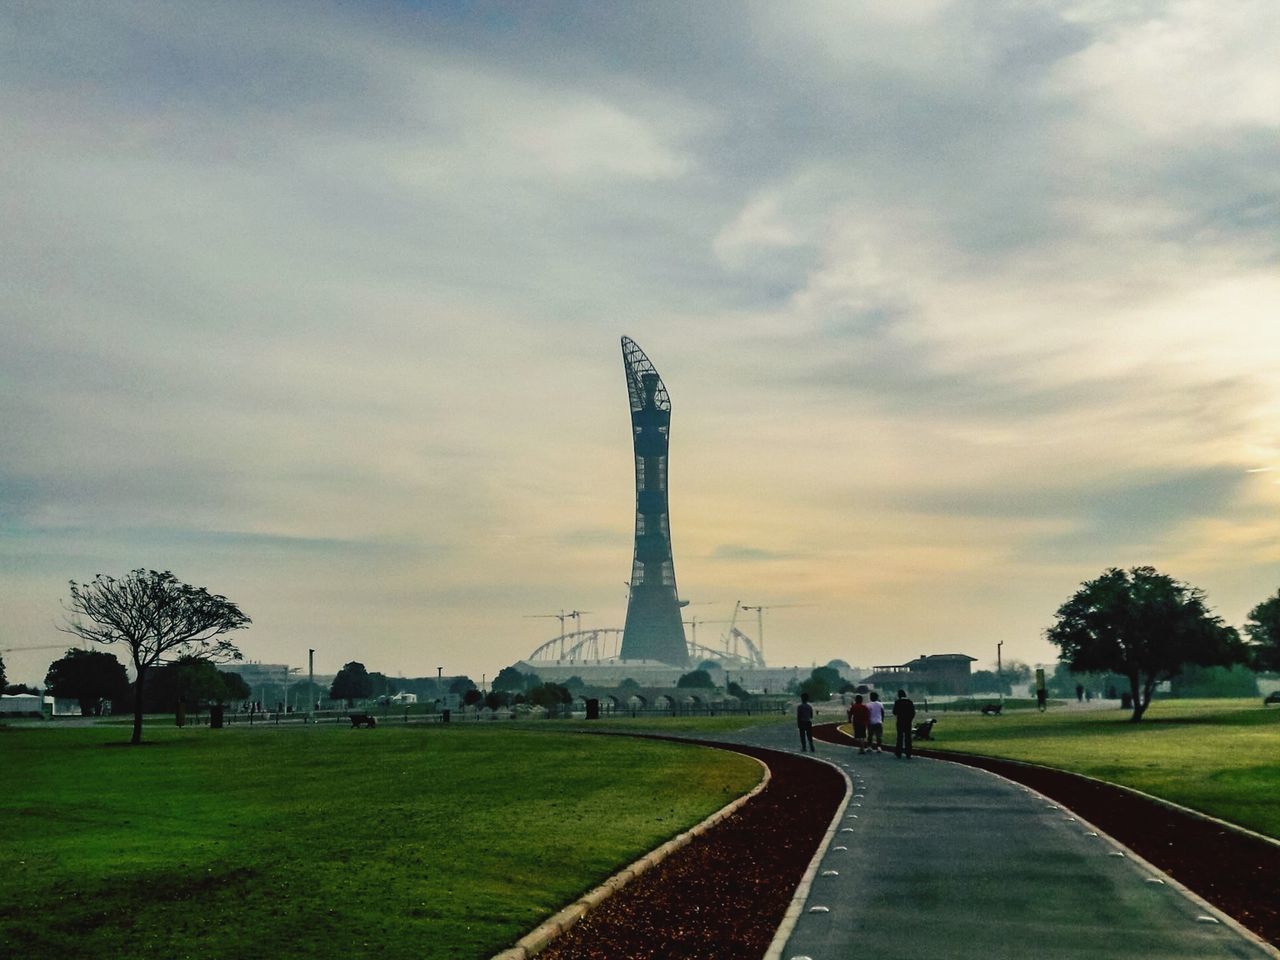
440 685
311 685
1000 670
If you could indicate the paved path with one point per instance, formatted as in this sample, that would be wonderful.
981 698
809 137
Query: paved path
934 859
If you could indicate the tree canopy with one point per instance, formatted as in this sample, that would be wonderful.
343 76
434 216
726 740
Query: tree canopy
510 678
1143 625
460 685
1263 628
3 679
158 618
193 682
351 683
89 677
696 679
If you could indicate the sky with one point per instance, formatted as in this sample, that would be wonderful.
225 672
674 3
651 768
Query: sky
319 307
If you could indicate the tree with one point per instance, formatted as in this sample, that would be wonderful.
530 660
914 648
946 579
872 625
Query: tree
549 695
495 699
510 678
351 683
158 618
575 683
629 683
816 687
696 679
88 676
191 681
1211 682
829 676
987 681
3 679
472 697
460 685
1143 625
1263 628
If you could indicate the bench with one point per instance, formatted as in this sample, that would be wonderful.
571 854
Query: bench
362 720
992 709
924 729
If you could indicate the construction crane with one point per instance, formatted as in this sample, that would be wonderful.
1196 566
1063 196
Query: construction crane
694 621
760 609
562 617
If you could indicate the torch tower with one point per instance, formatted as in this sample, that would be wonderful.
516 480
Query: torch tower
653 630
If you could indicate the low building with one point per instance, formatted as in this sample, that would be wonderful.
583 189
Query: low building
939 673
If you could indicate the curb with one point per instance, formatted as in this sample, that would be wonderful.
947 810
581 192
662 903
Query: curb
796 907
538 939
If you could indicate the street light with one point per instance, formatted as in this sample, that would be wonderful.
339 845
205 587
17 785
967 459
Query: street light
1000 670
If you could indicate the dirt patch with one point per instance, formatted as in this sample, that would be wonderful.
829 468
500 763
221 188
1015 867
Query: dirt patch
724 894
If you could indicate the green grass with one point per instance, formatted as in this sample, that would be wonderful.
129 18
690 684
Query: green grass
1221 757
418 842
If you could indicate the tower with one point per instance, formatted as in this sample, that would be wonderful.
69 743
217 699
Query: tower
653 630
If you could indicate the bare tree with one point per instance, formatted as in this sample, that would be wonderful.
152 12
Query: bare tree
158 618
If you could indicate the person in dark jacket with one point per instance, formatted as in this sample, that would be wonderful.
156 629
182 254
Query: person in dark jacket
904 715
804 720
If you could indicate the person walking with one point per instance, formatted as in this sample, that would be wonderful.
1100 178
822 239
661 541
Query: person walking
904 715
859 717
804 720
875 724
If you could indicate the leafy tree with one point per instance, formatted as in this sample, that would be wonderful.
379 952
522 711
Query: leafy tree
1143 625
88 676
816 687
191 681
496 699
3 679
18 688
381 684
460 685
1197 681
988 681
1263 628
472 697
158 618
629 683
550 696
510 678
696 679
351 683
575 683
1015 671
828 675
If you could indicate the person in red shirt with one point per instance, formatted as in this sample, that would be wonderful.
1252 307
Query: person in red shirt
859 716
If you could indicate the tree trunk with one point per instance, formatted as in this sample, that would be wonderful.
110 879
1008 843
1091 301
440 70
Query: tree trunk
1135 691
137 709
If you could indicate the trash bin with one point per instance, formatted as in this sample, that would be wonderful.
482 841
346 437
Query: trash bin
444 716
215 717
1126 701
593 708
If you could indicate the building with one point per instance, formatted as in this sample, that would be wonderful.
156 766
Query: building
654 629
940 673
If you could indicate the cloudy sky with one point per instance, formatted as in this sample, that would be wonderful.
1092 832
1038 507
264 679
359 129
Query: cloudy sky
319 306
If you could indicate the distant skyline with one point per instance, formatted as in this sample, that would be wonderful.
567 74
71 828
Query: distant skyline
318 306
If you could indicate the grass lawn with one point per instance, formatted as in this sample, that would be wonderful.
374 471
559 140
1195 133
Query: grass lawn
418 842
1221 757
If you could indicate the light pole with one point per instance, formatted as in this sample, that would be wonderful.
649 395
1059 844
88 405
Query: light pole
440 685
311 684
1000 670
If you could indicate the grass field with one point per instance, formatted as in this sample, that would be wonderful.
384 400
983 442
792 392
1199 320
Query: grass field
1221 757
417 842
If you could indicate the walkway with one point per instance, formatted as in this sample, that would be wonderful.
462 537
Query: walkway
935 859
